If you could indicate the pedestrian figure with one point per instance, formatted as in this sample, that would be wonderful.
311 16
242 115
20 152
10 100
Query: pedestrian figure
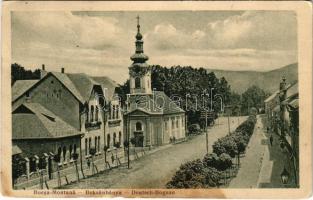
271 140
268 129
88 163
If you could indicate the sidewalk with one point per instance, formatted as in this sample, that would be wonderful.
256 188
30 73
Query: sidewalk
69 175
274 162
250 165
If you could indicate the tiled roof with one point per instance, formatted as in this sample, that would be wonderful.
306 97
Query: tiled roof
158 103
20 87
107 84
83 83
33 121
80 85
168 105
63 78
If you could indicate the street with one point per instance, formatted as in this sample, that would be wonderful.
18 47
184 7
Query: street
155 170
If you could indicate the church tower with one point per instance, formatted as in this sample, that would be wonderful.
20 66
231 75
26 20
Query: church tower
139 71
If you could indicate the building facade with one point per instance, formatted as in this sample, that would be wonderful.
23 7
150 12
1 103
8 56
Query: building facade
282 109
62 114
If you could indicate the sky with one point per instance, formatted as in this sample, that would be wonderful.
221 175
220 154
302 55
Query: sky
100 43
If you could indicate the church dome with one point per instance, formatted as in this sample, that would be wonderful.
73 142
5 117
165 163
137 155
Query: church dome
138 36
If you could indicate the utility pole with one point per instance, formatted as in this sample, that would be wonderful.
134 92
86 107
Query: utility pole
228 124
128 138
206 131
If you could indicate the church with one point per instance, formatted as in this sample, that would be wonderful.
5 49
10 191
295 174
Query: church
151 118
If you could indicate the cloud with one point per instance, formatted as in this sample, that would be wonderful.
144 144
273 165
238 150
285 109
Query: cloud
65 29
255 29
165 36
251 29
101 45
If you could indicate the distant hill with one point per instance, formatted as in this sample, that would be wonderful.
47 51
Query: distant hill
268 81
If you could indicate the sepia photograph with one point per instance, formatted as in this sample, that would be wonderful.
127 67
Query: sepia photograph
150 101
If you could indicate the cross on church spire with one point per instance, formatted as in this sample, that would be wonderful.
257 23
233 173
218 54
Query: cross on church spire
138 25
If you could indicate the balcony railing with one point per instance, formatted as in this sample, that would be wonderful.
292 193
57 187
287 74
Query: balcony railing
93 125
114 122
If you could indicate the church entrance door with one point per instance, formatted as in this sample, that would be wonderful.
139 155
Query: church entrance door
139 138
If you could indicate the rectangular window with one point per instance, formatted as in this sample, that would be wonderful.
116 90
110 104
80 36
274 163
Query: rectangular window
86 147
99 144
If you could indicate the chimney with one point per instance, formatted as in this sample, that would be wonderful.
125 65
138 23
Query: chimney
62 70
43 71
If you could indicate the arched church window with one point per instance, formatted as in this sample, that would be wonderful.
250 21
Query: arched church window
137 82
138 126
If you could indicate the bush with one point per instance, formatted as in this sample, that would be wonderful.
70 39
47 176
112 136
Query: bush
218 147
211 160
206 173
241 141
212 177
193 174
225 145
225 162
194 129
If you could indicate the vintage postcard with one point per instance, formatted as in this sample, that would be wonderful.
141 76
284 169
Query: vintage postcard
156 99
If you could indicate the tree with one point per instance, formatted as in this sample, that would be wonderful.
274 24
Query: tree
253 97
229 145
218 147
240 140
225 162
211 160
180 81
19 73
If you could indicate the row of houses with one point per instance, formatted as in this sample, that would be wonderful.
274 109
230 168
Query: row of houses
65 114
282 110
